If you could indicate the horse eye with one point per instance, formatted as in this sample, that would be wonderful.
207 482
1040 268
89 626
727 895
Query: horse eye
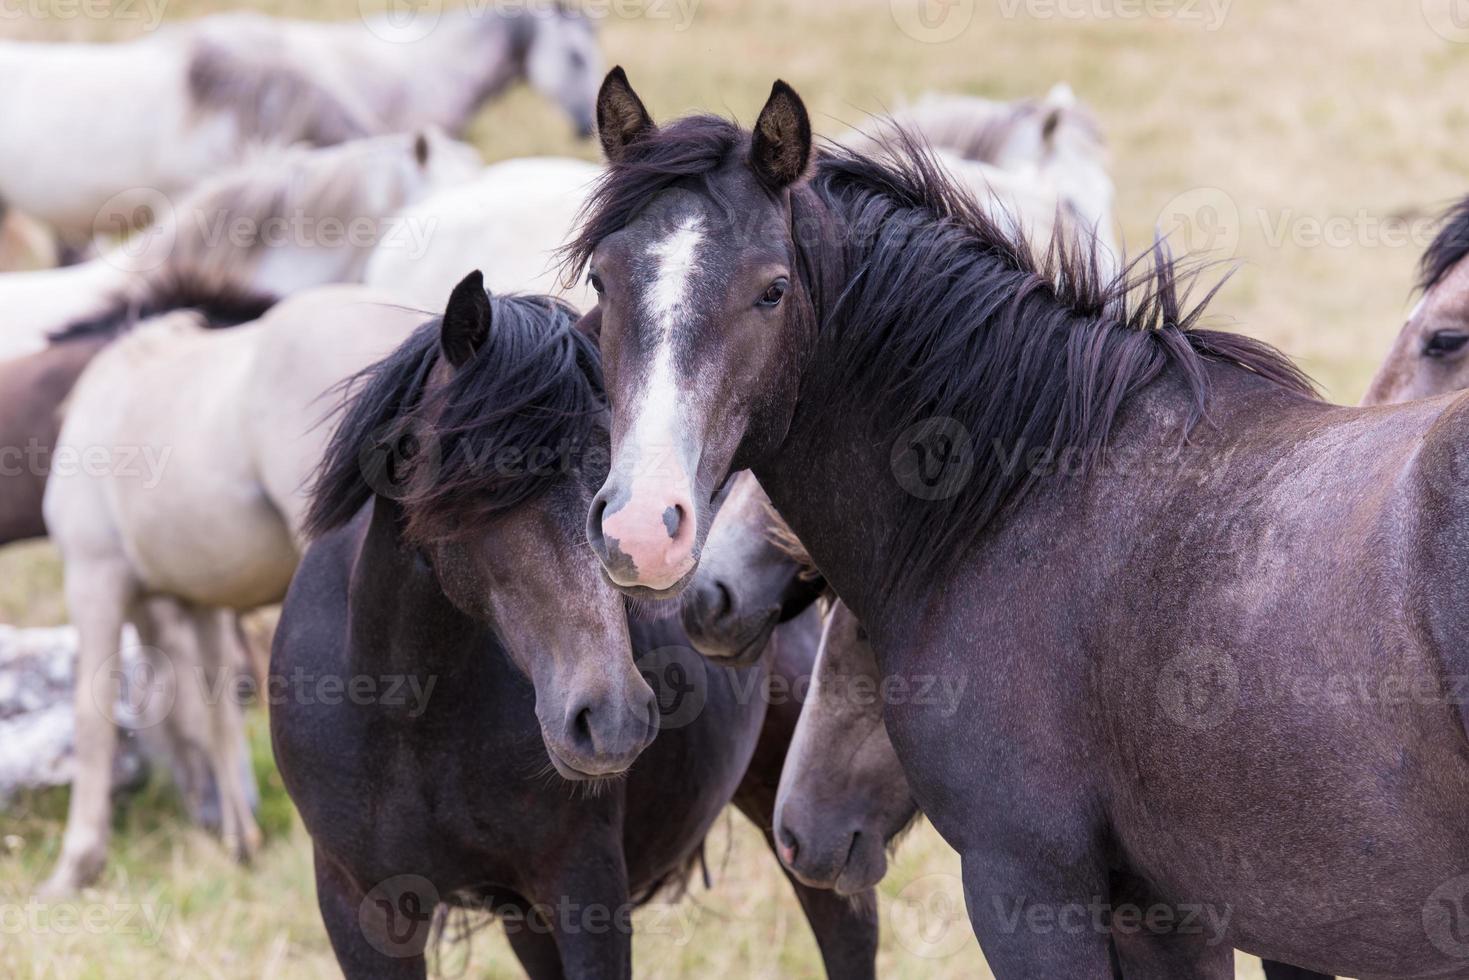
1442 342
774 293
596 282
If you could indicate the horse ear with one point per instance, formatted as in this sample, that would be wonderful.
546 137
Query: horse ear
621 117
782 144
466 324
420 148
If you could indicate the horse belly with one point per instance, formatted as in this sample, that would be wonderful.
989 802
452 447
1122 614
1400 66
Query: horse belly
220 549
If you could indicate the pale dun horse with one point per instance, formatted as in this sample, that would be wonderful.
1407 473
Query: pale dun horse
366 180
85 122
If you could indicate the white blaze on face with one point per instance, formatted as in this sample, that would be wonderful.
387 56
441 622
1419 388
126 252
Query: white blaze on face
655 526
667 301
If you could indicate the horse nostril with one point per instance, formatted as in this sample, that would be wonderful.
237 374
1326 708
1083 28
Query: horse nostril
673 518
726 600
594 525
787 843
581 728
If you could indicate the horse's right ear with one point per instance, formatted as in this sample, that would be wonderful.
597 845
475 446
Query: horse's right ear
466 324
622 119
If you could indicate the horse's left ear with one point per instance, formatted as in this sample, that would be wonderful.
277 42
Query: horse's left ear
466 324
622 119
421 148
782 144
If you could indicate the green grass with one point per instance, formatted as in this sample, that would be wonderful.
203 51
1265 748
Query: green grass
1288 114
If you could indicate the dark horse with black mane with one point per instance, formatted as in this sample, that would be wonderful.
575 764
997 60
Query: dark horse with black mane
467 585
1211 629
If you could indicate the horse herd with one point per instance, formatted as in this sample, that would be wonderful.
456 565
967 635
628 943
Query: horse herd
739 411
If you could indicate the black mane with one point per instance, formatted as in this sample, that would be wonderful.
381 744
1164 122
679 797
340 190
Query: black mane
1449 246
220 305
929 308
536 384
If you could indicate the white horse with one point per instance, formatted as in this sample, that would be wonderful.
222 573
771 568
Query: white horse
518 213
1033 161
86 122
210 522
284 219
1030 161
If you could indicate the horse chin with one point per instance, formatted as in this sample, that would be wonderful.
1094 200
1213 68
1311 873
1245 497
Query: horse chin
742 651
572 774
866 866
645 594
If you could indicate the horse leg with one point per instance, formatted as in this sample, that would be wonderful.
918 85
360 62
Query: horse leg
1172 956
1036 921
228 748
585 907
535 948
371 939
98 594
1284 971
169 638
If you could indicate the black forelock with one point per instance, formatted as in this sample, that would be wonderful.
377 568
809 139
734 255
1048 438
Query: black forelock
1449 246
536 384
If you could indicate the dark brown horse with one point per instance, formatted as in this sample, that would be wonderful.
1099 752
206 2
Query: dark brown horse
462 593
1209 629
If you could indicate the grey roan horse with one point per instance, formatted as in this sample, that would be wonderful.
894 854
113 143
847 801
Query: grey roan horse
1212 628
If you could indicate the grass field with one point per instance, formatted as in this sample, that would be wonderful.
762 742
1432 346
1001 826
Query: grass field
1309 141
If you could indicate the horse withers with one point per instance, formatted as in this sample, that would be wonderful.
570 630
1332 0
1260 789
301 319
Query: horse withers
464 579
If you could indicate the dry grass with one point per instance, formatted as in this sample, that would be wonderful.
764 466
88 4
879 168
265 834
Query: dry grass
1342 114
